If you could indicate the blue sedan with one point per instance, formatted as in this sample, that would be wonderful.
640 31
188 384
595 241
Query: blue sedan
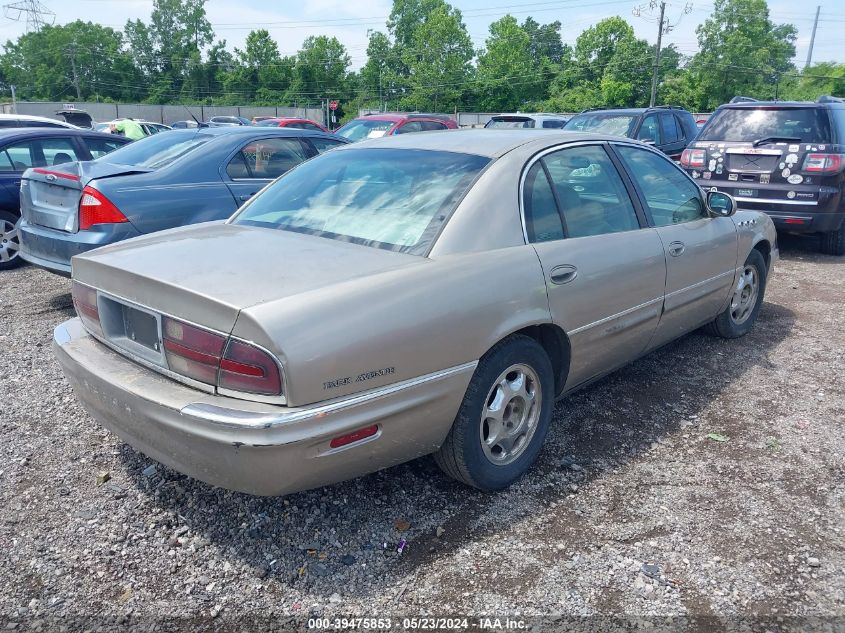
22 148
160 182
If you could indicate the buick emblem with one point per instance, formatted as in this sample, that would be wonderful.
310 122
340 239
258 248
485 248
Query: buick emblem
51 177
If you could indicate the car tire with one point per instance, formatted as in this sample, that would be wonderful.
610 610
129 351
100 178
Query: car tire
738 318
833 242
504 417
9 241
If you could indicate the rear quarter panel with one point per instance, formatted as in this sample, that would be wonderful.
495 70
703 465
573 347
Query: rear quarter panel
187 192
406 323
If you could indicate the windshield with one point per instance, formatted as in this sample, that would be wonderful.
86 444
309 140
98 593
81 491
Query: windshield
613 124
393 199
154 152
806 125
509 123
360 129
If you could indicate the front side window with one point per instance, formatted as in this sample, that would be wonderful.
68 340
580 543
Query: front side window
395 199
410 126
21 156
268 158
554 124
648 130
670 196
432 126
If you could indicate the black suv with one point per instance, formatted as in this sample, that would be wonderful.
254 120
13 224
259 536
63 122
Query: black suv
668 128
784 158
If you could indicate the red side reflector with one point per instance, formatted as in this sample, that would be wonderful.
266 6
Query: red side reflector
794 221
355 436
57 174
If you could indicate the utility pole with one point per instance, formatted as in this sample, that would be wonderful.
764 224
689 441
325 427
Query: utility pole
813 39
71 51
14 100
657 56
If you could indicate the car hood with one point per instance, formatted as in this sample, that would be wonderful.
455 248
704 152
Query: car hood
207 273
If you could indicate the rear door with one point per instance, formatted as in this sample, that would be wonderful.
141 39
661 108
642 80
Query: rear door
260 161
701 251
16 158
605 269
672 136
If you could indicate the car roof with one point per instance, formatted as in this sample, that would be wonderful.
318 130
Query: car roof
32 117
489 142
254 130
531 115
26 132
750 105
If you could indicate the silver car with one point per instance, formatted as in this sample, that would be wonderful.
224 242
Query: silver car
424 293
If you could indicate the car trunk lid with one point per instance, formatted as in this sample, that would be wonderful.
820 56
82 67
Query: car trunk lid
207 273
50 195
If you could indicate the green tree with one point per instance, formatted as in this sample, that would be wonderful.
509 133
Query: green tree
79 60
438 61
168 47
507 73
320 70
741 51
825 78
259 73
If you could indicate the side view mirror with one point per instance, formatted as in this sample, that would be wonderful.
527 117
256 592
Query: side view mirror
720 204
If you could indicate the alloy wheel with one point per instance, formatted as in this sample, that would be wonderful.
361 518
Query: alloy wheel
745 295
9 240
510 415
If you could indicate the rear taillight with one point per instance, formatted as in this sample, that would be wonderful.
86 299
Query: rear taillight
693 158
85 302
199 354
95 208
192 351
247 368
823 163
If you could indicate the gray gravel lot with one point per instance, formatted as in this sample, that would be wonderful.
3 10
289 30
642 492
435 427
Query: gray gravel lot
633 510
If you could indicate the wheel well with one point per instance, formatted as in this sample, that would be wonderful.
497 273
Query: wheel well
765 250
556 343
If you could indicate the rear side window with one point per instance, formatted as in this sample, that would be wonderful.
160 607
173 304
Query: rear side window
838 116
553 123
432 126
669 128
324 144
542 220
410 126
100 147
805 125
58 151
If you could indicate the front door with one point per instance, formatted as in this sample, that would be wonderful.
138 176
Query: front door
701 251
605 270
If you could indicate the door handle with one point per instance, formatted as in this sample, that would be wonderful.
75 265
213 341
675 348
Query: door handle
563 274
676 248
246 196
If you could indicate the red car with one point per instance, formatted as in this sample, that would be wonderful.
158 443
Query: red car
300 124
376 125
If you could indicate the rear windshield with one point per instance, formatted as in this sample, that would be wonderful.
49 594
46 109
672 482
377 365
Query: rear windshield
366 128
395 199
155 152
613 124
808 125
509 123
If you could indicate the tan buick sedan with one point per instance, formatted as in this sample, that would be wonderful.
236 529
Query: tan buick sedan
424 293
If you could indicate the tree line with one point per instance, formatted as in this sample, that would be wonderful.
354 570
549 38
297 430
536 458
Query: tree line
424 59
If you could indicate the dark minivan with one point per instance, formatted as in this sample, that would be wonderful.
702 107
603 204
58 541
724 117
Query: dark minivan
784 158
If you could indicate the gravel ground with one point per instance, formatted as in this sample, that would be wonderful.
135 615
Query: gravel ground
632 511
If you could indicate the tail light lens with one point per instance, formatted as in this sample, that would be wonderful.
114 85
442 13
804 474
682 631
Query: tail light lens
95 208
693 158
198 354
823 163
192 351
247 368
85 302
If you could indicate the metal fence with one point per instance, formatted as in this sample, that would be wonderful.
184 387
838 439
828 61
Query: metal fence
157 113
478 119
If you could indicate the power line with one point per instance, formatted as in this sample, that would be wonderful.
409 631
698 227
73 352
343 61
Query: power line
37 15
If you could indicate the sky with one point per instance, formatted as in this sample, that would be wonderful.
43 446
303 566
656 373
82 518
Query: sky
291 22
